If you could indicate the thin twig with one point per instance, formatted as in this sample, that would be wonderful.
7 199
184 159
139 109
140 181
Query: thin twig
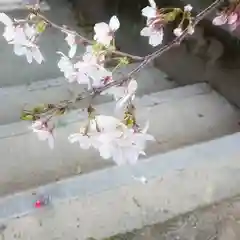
86 40
146 59
165 48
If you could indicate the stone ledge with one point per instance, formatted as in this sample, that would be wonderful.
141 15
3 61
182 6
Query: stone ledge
20 127
11 5
176 120
178 182
16 98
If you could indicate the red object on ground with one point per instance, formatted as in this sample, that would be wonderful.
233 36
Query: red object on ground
42 201
38 204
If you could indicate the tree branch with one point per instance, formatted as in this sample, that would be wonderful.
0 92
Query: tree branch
86 40
163 49
91 94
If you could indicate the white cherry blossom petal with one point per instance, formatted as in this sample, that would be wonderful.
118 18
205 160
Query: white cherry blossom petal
70 39
114 23
232 18
132 86
152 4
9 33
149 12
5 19
220 20
105 151
178 32
72 51
101 28
188 8
146 32
156 38
29 56
43 132
37 55
19 50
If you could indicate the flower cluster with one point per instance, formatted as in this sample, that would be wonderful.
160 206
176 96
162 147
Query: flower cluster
113 139
23 37
104 33
86 71
44 131
186 15
230 18
122 140
155 24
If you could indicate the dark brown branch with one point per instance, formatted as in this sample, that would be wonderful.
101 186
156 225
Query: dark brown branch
165 48
86 40
146 60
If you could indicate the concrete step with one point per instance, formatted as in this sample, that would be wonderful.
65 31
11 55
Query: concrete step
178 117
81 207
12 5
16 98
17 70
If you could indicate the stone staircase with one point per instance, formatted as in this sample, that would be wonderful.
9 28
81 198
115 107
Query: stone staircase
11 5
194 162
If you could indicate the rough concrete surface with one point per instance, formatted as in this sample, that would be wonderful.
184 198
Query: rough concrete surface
191 117
111 201
220 221
27 163
27 96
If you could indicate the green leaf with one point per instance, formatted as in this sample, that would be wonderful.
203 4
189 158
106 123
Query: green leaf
40 108
41 26
27 117
97 47
169 17
124 61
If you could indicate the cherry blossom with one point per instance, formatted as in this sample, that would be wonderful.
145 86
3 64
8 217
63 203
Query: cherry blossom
129 93
220 20
155 35
112 139
85 71
178 31
9 30
190 29
66 66
93 57
104 32
188 8
43 131
154 26
88 135
23 37
150 11
119 147
123 145
141 136
71 41
231 19
93 75
122 93
85 140
24 44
